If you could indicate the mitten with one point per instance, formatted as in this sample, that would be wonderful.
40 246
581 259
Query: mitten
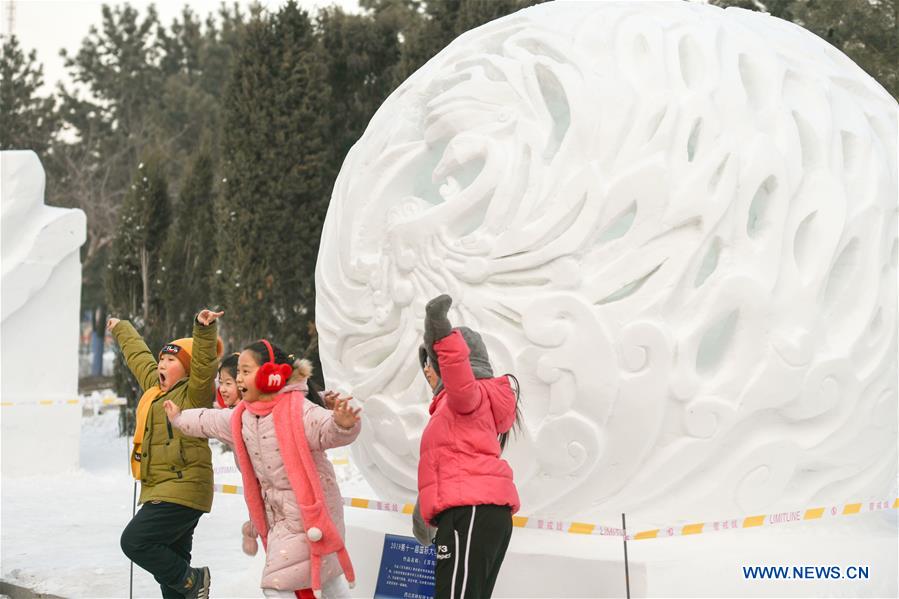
437 325
424 532
250 546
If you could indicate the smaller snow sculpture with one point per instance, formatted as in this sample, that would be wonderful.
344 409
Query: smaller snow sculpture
41 282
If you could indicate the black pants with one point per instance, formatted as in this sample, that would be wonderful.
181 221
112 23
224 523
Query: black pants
159 539
471 544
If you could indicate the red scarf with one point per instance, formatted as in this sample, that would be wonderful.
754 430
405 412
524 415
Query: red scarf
260 407
287 410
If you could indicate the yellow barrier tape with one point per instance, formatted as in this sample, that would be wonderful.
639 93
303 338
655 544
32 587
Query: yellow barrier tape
587 528
41 402
814 513
692 529
581 528
106 401
753 521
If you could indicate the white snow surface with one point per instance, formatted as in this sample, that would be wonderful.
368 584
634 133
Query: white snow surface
60 535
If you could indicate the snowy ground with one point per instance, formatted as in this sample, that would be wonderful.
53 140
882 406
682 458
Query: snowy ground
60 535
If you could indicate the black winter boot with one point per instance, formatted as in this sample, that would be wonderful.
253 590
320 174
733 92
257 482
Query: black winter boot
196 585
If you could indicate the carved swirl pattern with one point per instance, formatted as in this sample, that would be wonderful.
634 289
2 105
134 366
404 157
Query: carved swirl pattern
676 224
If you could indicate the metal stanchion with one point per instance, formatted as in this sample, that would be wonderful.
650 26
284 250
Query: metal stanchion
131 572
627 577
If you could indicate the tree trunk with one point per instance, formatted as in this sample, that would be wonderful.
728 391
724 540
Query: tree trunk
98 336
145 280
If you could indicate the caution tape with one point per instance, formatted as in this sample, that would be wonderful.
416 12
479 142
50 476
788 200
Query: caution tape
229 489
114 401
41 402
225 470
106 401
588 528
566 526
407 508
236 470
814 513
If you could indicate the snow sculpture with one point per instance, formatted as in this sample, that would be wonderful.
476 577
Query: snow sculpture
41 282
675 223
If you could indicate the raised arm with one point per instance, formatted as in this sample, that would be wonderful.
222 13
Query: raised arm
463 395
206 423
451 353
203 361
138 357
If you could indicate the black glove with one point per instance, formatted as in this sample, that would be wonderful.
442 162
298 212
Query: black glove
437 325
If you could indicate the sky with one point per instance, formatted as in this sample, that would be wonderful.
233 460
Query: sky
48 25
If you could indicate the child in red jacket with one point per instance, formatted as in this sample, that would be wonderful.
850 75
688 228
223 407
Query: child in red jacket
465 488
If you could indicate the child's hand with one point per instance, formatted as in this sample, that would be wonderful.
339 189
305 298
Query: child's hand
344 415
330 398
110 324
171 410
207 317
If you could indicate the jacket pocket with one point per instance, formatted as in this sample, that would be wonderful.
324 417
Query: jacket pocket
174 452
195 454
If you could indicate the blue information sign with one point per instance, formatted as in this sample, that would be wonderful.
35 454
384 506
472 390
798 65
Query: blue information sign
407 569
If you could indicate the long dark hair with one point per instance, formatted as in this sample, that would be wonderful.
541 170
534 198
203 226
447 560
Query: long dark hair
313 393
516 426
229 365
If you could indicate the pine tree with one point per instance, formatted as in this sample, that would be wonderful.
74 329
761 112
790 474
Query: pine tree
189 253
150 86
361 53
27 120
276 186
444 21
134 283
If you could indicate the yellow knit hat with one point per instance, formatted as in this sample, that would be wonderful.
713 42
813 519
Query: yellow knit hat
183 348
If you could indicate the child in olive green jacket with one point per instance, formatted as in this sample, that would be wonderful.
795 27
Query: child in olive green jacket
175 471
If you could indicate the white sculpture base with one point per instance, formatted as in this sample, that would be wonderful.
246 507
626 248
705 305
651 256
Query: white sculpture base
711 565
537 564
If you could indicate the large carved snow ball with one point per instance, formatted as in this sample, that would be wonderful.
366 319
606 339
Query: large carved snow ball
675 224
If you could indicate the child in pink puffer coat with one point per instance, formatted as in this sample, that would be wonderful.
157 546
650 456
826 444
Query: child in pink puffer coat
289 484
465 489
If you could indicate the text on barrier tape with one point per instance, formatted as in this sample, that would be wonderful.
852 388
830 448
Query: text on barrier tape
586 528
813 513
406 508
236 470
